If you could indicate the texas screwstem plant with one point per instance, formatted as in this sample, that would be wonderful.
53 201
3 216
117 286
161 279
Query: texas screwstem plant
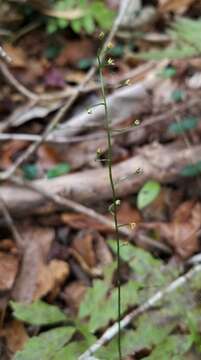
115 202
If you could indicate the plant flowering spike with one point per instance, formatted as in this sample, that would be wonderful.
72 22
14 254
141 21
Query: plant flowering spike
132 225
111 62
89 111
136 122
127 82
139 171
110 45
101 35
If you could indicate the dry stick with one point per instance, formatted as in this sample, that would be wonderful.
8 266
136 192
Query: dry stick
81 209
55 121
69 91
4 56
16 235
113 330
16 84
74 139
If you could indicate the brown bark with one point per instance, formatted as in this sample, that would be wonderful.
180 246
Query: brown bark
163 163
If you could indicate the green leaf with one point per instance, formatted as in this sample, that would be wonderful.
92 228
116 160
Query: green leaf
177 95
62 23
52 51
147 270
86 63
168 72
46 345
169 53
193 325
117 51
186 124
102 14
192 169
58 170
93 297
173 347
30 171
37 313
52 26
148 193
88 24
185 34
76 25
146 335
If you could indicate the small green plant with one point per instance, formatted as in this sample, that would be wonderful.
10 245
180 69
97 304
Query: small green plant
58 170
148 193
89 14
157 332
185 34
192 169
186 124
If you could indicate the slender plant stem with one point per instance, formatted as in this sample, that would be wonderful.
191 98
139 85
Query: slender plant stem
114 198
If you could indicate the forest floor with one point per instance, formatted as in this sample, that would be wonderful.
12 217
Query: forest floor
57 241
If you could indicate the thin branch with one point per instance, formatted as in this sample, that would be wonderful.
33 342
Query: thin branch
4 56
16 84
160 295
81 209
152 120
16 235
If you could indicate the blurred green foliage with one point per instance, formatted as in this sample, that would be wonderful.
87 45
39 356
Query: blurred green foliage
93 13
157 331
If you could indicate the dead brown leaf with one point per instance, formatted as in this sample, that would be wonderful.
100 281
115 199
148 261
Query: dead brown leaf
82 221
9 151
128 214
182 232
37 242
102 252
17 55
15 336
8 245
48 156
51 276
178 6
8 270
75 51
73 295
91 252
83 244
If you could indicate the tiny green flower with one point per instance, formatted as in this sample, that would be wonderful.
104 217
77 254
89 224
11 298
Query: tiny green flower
137 122
89 111
111 62
110 45
127 82
101 35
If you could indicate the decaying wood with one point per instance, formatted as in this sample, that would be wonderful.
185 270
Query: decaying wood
163 163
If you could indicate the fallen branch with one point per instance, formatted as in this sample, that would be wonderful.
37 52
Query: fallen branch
163 163
140 133
79 208
16 84
11 225
113 330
